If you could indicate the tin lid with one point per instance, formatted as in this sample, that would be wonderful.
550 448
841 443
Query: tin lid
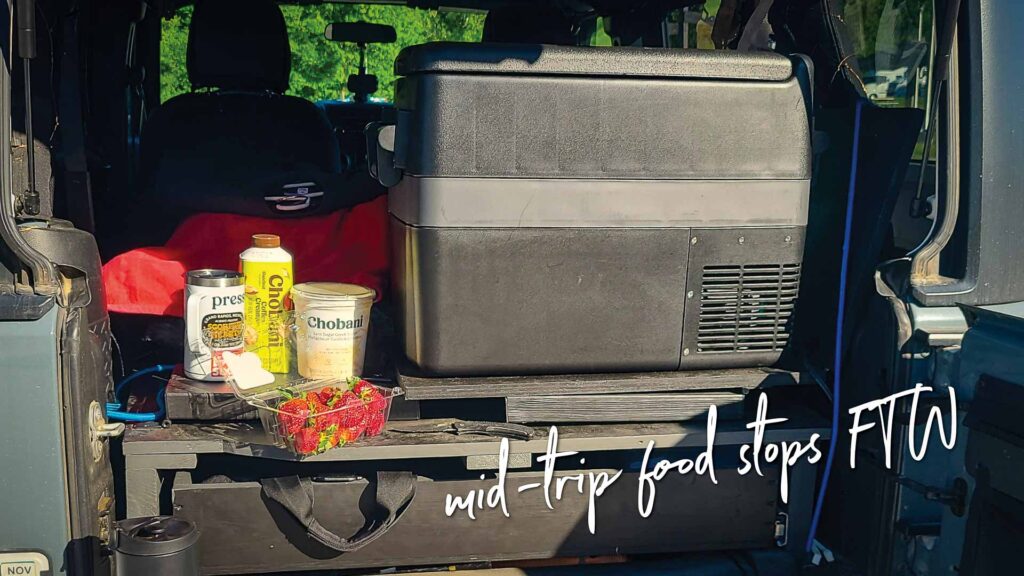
332 291
214 278
266 241
154 535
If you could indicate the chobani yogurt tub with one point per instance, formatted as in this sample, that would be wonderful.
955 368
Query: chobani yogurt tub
331 321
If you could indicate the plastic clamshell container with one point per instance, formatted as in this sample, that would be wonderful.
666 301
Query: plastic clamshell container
275 420
315 435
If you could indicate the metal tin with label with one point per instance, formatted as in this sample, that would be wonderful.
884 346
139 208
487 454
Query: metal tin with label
214 321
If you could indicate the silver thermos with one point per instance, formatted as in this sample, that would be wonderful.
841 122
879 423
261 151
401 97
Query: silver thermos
156 546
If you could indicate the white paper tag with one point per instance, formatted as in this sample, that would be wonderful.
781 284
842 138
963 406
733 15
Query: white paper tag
246 370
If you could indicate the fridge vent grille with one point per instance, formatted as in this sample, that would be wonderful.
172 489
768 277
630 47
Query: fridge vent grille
746 308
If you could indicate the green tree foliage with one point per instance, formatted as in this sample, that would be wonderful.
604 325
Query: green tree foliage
173 41
320 67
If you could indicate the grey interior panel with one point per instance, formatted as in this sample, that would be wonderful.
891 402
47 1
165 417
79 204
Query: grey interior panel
578 203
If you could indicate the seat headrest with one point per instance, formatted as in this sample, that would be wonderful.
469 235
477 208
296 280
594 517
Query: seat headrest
534 25
238 45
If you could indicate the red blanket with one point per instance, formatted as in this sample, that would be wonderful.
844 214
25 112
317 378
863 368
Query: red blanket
345 246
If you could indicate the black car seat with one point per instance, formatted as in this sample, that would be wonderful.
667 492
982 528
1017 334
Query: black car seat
534 25
349 120
236 142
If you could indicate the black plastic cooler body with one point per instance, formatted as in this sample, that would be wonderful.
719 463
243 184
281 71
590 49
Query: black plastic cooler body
594 209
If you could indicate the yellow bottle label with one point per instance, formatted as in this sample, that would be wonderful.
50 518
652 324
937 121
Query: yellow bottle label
267 288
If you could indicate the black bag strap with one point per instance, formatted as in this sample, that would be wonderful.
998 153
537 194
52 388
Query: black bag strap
395 490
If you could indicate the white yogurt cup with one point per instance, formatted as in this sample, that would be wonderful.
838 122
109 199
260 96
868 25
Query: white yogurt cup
331 321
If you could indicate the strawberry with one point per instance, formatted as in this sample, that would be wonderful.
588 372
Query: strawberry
307 441
375 401
329 419
351 411
369 394
375 405
375 422
326 394
362 388
338 416
316 410
330 395
351 434
292 416
315 403
328 439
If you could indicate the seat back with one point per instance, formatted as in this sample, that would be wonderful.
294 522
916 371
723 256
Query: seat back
233 143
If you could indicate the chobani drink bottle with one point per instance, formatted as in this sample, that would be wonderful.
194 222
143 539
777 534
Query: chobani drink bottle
268 282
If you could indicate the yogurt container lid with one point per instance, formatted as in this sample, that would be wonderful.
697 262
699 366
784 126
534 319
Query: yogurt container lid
332 291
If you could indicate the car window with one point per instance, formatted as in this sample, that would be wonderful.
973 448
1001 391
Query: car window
687 27
320 67
892 42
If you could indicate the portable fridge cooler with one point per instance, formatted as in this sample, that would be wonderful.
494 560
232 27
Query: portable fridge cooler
591 209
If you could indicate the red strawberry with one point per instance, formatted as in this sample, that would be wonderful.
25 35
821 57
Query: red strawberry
330 395
340 415
337 437
375 422
328 439
326 394
345 436
292 416
362 388
307 441
375 401
351 411
352 434
316 410
330 419
314 401
370 395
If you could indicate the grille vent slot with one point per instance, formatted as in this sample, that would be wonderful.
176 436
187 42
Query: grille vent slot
745 308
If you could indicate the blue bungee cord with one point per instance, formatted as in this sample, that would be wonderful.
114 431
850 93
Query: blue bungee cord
116 409
837 362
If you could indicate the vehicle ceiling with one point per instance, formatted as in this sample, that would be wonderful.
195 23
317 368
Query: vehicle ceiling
596 7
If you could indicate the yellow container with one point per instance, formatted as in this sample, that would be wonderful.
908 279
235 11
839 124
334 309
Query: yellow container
268 282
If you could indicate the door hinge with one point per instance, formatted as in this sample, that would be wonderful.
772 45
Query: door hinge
782 530
955 498
100 429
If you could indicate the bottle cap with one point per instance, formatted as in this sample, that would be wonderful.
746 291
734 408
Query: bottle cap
266 241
